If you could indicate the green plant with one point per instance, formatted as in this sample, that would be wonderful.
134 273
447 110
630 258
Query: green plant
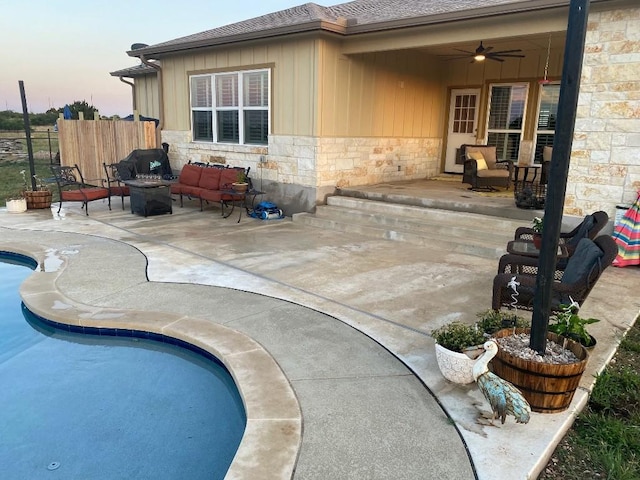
537 224
241 177
457 336
490 321
571 325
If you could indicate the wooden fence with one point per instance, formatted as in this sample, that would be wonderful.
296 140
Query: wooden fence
90 143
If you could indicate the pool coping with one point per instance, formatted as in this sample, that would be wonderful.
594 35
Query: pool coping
271 442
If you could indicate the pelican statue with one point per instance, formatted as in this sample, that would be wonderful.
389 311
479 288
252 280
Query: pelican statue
504 398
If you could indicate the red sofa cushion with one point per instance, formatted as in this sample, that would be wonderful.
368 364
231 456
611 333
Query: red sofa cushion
227 177
210 178
190 175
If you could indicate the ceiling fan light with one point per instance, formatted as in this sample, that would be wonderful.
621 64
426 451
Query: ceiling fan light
479 57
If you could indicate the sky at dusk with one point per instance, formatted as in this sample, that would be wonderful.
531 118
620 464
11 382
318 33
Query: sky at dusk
64 50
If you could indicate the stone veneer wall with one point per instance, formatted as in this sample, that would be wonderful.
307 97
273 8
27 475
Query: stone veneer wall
299 172
605 157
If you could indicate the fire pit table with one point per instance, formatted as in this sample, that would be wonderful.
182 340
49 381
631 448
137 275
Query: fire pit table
150 196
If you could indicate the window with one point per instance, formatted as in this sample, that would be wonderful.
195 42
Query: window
507 106
231 107
547 114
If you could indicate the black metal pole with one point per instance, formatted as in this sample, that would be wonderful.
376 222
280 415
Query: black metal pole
50 153
27 131
559 171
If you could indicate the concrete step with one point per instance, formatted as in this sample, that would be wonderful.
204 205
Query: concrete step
468 233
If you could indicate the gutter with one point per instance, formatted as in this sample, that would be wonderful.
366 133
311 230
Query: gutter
133 92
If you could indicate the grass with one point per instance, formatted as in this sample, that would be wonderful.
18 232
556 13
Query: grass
605 439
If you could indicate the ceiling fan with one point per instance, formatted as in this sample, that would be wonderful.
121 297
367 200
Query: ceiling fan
481 53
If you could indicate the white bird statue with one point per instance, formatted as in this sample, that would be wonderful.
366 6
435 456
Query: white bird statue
504 398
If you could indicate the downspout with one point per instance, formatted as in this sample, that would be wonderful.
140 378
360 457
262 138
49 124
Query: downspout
133 93
158 69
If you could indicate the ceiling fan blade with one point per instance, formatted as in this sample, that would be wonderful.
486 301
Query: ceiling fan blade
465 51
507 51
486 50
496 59
495 55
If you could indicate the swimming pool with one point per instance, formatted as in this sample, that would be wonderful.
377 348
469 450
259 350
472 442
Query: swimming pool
85 406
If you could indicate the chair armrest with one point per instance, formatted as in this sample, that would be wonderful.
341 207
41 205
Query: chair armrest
470 167
514 261
524 233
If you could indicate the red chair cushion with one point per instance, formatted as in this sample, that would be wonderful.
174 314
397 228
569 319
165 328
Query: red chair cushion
227 177
82 194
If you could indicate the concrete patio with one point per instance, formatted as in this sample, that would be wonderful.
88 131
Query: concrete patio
345 319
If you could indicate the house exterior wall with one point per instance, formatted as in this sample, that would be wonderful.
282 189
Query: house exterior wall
147 96
605 158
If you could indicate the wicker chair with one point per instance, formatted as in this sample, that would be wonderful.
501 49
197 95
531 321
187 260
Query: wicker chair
72 187
582 271
482 170
590 226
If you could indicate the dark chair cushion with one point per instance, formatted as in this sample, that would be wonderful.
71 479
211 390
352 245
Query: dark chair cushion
581 263
583 231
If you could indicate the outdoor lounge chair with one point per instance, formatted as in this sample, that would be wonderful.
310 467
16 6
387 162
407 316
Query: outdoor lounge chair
482 170
72 187
590 226
574 283
114 182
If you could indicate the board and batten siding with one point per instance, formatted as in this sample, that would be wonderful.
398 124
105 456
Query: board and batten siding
147 96
383 94
293 82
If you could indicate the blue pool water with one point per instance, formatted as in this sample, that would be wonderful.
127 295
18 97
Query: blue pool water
77 406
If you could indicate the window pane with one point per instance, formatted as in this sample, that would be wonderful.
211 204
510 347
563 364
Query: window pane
507 107
256 126
507 145
256 89
200 91
202 129
228 130
549 97
227 90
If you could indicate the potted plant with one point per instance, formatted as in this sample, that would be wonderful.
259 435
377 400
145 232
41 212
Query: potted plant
40 197
241 184
455 352
570 325
537 225
17 203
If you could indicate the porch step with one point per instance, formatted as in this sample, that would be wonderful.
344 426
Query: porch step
453 231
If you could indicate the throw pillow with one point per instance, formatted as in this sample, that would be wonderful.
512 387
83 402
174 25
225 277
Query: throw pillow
481 164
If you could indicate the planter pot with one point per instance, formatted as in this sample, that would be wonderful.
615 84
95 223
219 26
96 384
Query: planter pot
537 240
548 388
454 366
38 199
240 187
17 205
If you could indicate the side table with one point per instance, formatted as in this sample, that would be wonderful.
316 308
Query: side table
244 200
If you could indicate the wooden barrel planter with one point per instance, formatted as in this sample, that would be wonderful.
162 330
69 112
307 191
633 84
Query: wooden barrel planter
548 388
38 199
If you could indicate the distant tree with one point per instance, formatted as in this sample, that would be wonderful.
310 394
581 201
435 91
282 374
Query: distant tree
80 106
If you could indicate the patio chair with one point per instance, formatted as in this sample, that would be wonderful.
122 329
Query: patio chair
114 182
72 187
482 170
575 282
590 226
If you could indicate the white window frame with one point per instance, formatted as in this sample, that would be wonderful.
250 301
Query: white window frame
521 130
542 131
240 108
